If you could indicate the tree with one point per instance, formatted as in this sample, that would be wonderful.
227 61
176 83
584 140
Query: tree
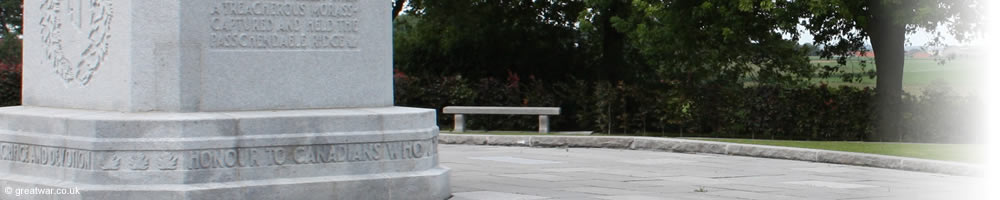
397 7
488 38
10 52
599 20
716 40
10 16
844 26
707 49
721 40
811 50
10 30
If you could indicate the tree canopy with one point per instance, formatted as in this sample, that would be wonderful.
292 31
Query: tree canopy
686 44
844 26
695 47
10 30
488 38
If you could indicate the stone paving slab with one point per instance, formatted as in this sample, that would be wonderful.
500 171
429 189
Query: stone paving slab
495 172
491 195
711 147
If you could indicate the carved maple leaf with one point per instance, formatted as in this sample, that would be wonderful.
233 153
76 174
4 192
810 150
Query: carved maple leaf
167 161
111 163
139 162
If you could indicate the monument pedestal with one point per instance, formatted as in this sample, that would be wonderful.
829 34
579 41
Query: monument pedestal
195 99
357 153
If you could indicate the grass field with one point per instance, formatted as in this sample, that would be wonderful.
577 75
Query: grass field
497 132
967 153
918 74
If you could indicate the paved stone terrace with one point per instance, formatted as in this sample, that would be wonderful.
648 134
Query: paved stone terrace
506 173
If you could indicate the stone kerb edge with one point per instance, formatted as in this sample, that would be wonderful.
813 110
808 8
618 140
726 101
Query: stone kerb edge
695 146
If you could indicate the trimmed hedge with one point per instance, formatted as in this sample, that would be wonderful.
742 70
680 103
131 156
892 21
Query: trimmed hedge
10 88
761 112
661 109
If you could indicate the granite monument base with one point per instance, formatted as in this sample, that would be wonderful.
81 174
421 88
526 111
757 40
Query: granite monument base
356 153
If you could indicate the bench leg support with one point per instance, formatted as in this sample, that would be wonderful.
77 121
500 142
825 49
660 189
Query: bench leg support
459 123
543 124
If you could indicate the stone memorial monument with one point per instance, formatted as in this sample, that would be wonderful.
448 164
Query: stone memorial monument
215 99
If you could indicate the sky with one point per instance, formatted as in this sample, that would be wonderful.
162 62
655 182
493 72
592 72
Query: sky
916 39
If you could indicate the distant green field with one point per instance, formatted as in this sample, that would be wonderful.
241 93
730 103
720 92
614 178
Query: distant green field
918 74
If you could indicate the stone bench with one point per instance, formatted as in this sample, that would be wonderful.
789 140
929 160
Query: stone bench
542 112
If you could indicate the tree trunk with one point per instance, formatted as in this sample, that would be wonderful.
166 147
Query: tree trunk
397 6
612 44
887 37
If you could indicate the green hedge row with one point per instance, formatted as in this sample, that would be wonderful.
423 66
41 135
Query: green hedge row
10 88
766 112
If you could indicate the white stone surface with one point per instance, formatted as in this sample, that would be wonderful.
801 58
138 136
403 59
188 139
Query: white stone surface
633 197
828 184
698 146
598 173
826 169
459 123
543 124
542 112
509 159
180 55
489 195
501 110
195 99
657 161
291 154
542 177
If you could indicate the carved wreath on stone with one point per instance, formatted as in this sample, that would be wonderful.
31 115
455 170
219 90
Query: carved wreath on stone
92 25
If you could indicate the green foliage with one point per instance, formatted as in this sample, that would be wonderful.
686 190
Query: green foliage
10 49
762 111
437 92
843 27
10 88
10 16
941 115
488 38
811 50
433 92
720 67
721 43
10 52
813 113
10 30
